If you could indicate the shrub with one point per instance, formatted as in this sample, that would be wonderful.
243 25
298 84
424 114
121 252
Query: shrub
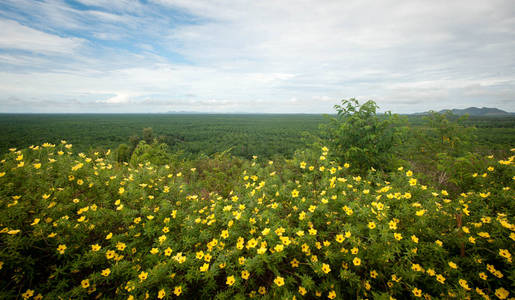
361 137
79 226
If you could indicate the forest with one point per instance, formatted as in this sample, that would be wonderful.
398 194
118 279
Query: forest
244 135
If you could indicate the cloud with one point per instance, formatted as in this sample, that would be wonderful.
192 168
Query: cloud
19 37
261 56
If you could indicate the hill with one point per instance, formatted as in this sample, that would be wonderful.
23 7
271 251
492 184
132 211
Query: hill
475 111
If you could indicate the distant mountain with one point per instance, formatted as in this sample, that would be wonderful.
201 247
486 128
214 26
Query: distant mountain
475 111
184 112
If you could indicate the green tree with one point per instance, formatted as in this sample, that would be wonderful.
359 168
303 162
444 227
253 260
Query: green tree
361 137
123 153
148 135
156 153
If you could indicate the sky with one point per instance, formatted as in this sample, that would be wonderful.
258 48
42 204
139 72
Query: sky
262 56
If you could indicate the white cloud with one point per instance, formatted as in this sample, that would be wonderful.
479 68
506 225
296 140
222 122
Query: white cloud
20 37
259 55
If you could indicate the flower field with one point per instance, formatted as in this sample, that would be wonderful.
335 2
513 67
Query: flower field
85 226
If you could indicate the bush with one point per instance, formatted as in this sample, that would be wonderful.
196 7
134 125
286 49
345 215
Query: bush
361 137
78 226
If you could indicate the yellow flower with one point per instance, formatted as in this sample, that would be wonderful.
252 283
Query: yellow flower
392 224
207 257
294 263
109 236
397 236
162 239
440 278
161 294
168 251
230 280
326 268
110 254
245 274
414 238
502 293
331 295
464 284
262 290
106 272
421 212
95 247
143 275
505 253
279 231
120 246
302 290
371 225
485 235
453 265
279 281
61 249
85 283
340 238
483 276
417 292
356 261
294 193
204 267
28 293
177 290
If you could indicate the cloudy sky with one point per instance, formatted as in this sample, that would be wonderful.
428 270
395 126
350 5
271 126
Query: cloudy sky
254 56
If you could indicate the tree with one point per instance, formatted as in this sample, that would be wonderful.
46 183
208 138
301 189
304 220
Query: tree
155 153
123 153
360 137
148 135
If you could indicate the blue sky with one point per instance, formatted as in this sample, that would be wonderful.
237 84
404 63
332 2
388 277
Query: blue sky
254 56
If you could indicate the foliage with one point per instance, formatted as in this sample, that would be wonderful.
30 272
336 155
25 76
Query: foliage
85 226
123 153
156 153
443 148
193 135
361 137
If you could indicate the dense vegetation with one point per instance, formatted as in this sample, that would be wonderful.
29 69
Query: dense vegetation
245 135
433 218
